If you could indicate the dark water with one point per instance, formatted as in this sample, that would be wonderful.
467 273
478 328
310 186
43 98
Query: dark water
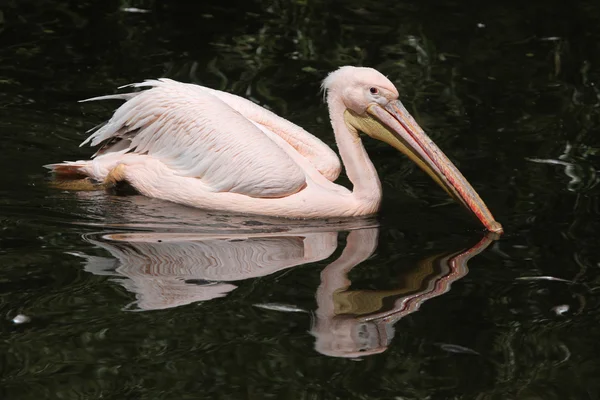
131 298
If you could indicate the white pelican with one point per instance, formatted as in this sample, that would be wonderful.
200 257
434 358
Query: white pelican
210 149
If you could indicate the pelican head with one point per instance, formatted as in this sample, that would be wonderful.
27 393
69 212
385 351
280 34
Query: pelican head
372 107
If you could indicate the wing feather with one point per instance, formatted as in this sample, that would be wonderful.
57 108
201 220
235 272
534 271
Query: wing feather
321 156
198 135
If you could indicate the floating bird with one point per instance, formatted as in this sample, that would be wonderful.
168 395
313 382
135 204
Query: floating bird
210 149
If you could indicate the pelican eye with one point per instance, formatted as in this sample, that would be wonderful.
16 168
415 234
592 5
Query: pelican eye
373 90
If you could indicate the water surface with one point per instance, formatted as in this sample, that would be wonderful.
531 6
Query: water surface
133 298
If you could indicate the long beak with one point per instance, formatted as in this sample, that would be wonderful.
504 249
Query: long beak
406 135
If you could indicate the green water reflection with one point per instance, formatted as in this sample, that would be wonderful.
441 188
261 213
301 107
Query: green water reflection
509 90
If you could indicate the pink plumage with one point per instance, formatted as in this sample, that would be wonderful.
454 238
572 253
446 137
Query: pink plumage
210 149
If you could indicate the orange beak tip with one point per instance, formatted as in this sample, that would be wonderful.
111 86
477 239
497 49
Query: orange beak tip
496 227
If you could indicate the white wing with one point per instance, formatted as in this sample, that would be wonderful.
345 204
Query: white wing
198 135
310 147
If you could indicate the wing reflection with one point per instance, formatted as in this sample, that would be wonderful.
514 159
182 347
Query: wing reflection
172 269
361 322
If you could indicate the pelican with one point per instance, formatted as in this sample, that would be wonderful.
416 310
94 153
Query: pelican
210 149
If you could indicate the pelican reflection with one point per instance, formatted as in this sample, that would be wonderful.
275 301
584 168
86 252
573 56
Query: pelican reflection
166 268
